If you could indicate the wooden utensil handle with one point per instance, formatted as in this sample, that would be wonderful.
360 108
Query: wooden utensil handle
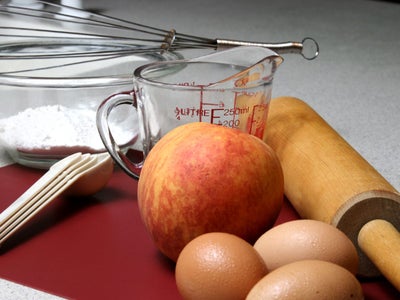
380 241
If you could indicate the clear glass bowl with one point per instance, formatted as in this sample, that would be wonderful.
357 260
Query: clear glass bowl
48 105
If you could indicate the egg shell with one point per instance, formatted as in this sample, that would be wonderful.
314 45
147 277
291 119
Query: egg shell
306 239
308 279
219 266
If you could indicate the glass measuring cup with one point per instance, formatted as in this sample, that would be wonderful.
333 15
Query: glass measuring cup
231 88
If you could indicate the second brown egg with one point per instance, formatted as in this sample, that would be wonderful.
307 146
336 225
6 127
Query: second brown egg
306 239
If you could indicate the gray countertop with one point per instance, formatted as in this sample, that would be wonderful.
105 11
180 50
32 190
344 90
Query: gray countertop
354 84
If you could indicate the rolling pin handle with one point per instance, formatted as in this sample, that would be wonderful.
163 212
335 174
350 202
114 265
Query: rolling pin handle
380 241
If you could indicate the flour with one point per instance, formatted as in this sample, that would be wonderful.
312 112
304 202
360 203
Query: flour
56 126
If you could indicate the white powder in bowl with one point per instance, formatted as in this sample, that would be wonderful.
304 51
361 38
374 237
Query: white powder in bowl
56 126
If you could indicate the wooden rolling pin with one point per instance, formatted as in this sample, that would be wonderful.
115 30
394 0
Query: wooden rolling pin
327 180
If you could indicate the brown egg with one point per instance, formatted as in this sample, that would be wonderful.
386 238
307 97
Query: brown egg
218 266
308 279
306 239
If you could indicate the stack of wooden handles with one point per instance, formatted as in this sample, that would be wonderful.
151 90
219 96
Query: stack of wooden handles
327 180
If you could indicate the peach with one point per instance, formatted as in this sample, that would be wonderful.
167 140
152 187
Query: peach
203 178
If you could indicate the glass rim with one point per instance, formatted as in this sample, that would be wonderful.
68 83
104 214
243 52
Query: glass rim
139 76
31 81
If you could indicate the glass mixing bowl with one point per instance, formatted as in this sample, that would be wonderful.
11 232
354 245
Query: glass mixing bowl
48 106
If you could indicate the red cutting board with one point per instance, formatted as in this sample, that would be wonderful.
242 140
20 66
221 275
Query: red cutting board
97 248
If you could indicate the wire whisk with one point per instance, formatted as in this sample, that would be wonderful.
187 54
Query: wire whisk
66 31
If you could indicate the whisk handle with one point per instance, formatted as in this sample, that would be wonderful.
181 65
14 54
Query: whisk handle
308 47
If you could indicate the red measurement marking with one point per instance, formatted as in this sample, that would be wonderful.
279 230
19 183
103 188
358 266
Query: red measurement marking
201 101
235 106
257 121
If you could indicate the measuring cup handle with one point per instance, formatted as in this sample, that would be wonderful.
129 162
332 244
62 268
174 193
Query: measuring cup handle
103 112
